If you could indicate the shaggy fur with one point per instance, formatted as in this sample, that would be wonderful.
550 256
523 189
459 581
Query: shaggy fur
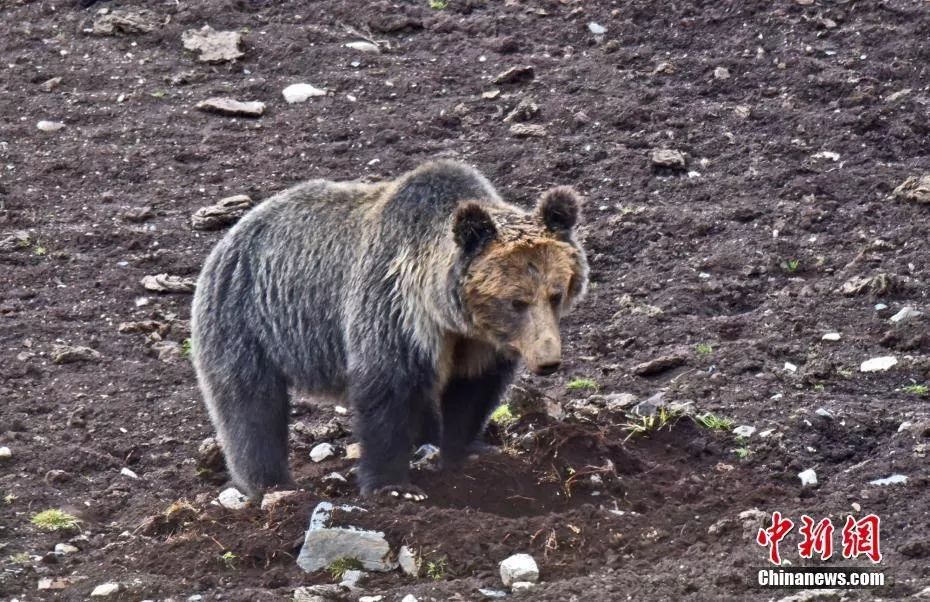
414 299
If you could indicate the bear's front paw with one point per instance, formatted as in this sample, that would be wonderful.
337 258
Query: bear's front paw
397 492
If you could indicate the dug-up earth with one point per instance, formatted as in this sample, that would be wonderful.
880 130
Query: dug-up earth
741 163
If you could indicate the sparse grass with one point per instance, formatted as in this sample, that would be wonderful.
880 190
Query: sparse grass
55 520
186 348
338 568
819 387
916 389
228 559
20 558
438 4
9 498
742 452
714 422
502 415
578 384
704 349
791 266
159 94
39 251
436 569
649 424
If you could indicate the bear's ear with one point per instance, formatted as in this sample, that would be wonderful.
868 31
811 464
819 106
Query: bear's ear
559 208
473 227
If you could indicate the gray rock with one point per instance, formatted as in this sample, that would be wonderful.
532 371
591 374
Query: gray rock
650 406
221 214
63 549
808 477
321 451
125 21
213 46
596 28
669 158
525 110
659 365
105 589
17 241
296 93
270 500
526 130
425 456
519 567
878 364
916 189
232 498
353 451
324 543
364 47
409 598
832 337
67 354
617 402
814 595
744 430
824 413
906 313
49 126
163 283
492 593
352 578
721 73
231 107
515 75
895 479
522 586
408 561
328 592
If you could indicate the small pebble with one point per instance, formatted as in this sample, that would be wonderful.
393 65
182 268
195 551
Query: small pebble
808 477
744 431
5 453
301 93
353 451
128 473
596 28
895 479
322 451
832 337
65 548
105 589
50 126
878 364
232 499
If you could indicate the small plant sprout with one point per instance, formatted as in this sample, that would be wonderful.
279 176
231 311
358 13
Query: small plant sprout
9 498
228 559
742 452
819 387
436 569
648 424
791 266
55 520
916 389
578 384
502 415
339 567
20 558
704 349
438 4
714 422
186 348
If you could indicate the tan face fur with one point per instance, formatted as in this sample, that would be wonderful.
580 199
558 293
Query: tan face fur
516 293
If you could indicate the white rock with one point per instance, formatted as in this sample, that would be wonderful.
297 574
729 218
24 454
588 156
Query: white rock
519 567
232 499
342 411
5 453
408 561
826 155
213 46
789 367
721 73
363 47
522 586
352 578
50 126
596 28
353 451
232 107
895 479
878 364
832 337
335 476
322 451
880 306
744 431
824 413
409 598
270 500
324 543
905 314
808 477
371 599
63 549
492 593
301 93
128 473
105 589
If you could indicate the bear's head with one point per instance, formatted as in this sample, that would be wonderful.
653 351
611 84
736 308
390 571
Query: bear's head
524 272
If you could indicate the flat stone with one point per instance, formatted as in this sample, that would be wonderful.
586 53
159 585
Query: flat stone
906 313
17 241
916 189
525 110
213 46
105 589
721 73
527 130
222 213
327 592
125 21
68 354
296 93
832 337
321 451
878 364
408 561
64 549
521 586
163 283
5 453
744 431
808 477
669 158
658 365
353 451
515 75
895 479
270 500
519 567
596 28
231 107
352 578
364 47
233 499
325 543
492 593
50 126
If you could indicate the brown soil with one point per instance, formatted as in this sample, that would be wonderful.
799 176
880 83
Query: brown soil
679 259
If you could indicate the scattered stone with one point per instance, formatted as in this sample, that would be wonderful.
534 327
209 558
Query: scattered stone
526 130
129 473
668 158
491 94
50 84
515 75
742 111
789 367
371 599
213 46
658 365
301 93
352 578
67 354
525 110
408 561
824 413
210 456
167 351
721 526
895 479
143 326
878 364
721 73
125 21
425 455
321 451
137 215
752 520
832 337
596 28
492 593
409 598
915 189
808 477
57 476
270 500
50 126
880 307
105 589
55 583
223 213
231 107
335 476
744 431
879 284
617 402
650 406
905 314
898 95
323 543
232 499
327 592
519 567
5 453
364 47
353 451
832 156
813 595
63 549
163 283
17 241
522 586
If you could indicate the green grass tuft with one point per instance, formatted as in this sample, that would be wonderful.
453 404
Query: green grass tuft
436 569
55 520
704 349
578 384
338 568
917 389
714 423
502 415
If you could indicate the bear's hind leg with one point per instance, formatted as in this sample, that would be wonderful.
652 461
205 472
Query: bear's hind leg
467 403
248 401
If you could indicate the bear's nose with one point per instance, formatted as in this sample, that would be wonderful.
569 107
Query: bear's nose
547 369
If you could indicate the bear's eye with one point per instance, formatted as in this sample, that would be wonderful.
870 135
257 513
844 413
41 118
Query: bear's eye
519 305
556 299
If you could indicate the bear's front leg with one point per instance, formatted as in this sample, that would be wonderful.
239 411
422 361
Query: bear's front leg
388 394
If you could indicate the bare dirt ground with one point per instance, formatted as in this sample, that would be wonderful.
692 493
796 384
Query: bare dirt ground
733 263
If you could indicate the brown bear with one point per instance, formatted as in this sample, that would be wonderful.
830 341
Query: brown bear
413 299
